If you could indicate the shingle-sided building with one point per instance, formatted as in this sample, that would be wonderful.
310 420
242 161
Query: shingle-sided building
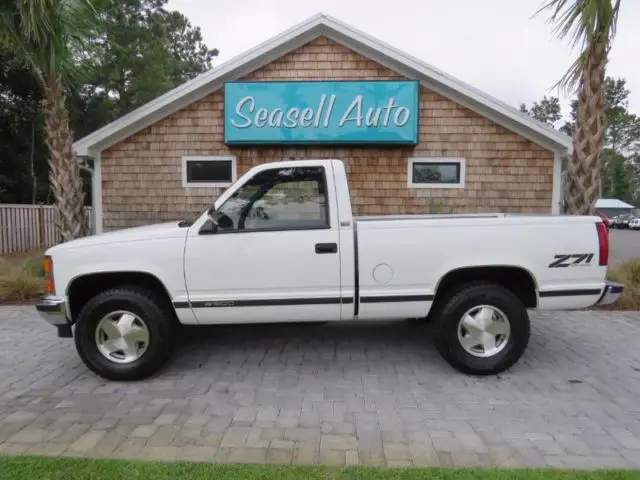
413 139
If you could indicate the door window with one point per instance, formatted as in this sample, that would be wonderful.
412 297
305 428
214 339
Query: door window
292 198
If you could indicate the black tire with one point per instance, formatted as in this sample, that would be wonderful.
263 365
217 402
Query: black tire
151 309
465 298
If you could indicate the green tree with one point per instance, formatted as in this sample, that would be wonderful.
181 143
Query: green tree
151 48
22 180
47 36
618 177
24 166
592 24
145 51
622 128
634 162
546 110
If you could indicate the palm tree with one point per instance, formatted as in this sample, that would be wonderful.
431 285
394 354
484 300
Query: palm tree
48 36
591 23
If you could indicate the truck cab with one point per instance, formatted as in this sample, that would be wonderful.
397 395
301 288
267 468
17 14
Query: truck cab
284 239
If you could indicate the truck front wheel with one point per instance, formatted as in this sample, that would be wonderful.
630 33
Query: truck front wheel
124 334
482 329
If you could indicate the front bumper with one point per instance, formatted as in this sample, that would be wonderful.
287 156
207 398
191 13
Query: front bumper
611 293
54 311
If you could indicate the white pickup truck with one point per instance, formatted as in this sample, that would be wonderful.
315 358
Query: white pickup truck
281 245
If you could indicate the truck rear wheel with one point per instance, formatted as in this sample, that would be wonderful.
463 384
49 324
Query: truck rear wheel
483 329
124 334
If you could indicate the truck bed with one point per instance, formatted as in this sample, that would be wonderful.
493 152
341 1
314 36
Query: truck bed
407 255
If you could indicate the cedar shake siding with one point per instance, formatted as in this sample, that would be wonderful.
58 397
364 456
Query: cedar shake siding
142 175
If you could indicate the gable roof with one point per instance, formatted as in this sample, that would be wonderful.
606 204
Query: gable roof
299 35
612 203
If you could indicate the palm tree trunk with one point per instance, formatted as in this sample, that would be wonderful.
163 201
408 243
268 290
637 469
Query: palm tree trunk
582 187
64 172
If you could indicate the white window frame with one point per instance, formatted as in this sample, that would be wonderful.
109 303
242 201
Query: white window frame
436 160
209 158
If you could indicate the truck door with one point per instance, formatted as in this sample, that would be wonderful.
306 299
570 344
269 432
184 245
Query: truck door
275 255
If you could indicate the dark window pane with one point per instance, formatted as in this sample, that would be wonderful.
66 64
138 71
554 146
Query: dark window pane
286 198
209 171
436 172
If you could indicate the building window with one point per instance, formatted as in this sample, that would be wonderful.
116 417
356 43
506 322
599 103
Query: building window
206 171
441 172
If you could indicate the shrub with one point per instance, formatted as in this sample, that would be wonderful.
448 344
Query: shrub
21 281
628 274
34 265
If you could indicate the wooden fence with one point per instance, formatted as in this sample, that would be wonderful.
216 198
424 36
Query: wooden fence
24 228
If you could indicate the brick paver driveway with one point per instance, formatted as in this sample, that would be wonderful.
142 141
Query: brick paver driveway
374 394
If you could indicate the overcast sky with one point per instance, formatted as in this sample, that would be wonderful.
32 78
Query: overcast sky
498 46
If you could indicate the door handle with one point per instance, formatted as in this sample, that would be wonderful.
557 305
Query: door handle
326 247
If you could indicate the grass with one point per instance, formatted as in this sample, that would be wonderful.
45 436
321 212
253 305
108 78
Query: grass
21 280
50 468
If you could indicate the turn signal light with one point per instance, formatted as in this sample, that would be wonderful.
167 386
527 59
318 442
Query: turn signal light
47 266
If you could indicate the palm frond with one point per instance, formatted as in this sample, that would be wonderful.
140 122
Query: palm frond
36 19
12 40
572 76
583 22
48 33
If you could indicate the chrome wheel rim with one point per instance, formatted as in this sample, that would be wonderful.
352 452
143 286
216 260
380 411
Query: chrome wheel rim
484 331
122 336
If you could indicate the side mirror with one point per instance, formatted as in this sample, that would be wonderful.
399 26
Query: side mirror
211 225
213 216
216 221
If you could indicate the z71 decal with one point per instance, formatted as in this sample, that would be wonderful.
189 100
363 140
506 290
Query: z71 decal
572 260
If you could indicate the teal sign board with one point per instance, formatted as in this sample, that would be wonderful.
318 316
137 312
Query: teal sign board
348 112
